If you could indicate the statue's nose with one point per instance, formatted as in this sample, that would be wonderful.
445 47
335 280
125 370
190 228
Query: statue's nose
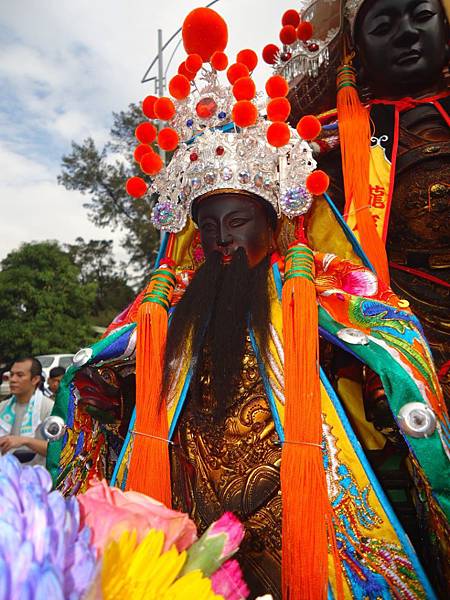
222 242
407 34
223 237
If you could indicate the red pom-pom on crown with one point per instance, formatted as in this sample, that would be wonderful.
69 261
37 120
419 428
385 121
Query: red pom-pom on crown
183 70
236 71
244 113
304 31
168 139
317 182
291 17
278 134
277 86
219 61
140 151
151 163
244 89
145 133
288 35
309 127
278 109
148 105
269 53
204 32
248 57
193 63
136 187
164 109
179 87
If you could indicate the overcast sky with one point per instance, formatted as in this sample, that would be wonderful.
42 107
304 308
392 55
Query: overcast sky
64 67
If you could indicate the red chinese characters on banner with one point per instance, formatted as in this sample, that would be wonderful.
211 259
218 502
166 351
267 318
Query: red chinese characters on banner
377 200
377 196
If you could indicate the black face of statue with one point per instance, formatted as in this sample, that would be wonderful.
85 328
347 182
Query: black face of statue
401 45
230 221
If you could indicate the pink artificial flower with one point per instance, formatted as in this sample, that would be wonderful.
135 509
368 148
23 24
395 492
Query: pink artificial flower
234 530
228 581
360 282
218 543
109 512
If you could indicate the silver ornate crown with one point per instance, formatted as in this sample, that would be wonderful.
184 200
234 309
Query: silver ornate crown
307 57
216 155
310 66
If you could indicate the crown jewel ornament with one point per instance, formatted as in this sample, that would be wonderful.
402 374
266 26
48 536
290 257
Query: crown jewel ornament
224 146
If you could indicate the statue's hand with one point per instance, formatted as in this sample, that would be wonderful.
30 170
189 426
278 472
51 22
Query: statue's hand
377 409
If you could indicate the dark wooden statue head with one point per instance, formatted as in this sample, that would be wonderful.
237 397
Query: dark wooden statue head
402 46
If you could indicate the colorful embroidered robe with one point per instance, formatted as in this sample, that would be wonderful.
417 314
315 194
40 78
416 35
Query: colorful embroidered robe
377 557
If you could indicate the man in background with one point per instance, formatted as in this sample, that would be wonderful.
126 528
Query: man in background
22 414
54 379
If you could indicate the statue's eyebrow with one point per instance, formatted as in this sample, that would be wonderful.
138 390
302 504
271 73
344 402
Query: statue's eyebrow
387 11
241 212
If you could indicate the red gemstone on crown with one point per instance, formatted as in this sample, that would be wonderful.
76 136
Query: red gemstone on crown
220 150
193 156
206 108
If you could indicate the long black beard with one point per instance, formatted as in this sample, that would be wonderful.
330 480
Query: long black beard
217 307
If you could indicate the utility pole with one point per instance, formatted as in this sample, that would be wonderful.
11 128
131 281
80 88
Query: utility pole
160 78
160 82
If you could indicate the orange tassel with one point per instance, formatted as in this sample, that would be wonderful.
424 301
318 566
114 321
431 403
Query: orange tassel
303 482
149 469
354 134
307 512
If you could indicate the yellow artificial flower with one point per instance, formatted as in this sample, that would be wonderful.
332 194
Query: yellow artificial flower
140 572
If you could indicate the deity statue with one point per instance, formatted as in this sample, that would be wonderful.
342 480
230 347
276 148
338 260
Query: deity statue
401 56
411 105
399 50
207 392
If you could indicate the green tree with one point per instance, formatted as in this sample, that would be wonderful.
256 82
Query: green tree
101 175
44 306
97 265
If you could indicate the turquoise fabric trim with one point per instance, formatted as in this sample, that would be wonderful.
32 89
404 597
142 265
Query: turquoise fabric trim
224 128
124 448
349 234
400 389
180 403
278 280
267 387
162 250
404 540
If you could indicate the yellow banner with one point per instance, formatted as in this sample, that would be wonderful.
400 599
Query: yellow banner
379 178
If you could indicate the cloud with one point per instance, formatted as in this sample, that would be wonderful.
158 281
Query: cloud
35 208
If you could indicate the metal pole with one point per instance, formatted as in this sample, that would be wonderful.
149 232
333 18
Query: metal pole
160 64
161 48
160 80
